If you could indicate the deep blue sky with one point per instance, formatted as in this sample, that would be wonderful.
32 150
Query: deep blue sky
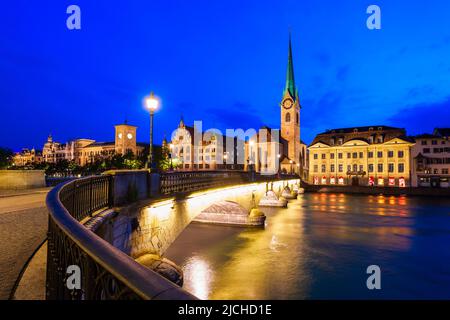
223 62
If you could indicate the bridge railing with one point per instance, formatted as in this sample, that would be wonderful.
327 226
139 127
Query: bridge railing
187 181
175 182
106 272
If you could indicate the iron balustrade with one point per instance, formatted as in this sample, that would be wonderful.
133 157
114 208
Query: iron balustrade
176 182
188 181
106 272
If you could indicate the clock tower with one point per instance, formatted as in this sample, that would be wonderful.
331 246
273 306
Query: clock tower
290 112
125 140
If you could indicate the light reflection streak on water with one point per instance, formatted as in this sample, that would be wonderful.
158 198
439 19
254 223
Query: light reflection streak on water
198 277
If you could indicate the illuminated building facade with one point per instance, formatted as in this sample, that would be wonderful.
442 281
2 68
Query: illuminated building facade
210 152
83 151
369 156
431 159
26 157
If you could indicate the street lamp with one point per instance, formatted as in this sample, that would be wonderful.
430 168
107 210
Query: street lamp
151 103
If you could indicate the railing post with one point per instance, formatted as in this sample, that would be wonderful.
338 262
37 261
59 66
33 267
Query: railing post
91 195
111 191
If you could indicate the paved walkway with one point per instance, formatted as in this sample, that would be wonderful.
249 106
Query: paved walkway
23 227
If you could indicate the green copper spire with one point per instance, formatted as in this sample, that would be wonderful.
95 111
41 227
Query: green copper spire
290 81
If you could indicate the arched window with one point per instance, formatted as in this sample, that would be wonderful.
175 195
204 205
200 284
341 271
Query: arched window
288 117
296 118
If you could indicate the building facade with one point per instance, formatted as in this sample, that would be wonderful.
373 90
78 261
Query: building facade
84 151
27 157
431 159
368 156
211 151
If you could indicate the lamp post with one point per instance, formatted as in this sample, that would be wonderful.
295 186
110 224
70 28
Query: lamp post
151 102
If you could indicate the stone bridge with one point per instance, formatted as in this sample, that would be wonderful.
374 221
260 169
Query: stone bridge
103 224
152 226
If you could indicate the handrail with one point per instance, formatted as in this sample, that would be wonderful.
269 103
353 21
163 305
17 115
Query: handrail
106 272
188 181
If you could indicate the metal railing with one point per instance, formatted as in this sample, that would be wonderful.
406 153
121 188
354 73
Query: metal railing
176 182
106 272
188 181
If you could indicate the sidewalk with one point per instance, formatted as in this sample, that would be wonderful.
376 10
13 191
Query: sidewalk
32 284
22 192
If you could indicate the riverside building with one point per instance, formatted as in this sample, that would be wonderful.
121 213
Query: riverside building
367 156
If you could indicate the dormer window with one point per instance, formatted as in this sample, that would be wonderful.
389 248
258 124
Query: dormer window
355 130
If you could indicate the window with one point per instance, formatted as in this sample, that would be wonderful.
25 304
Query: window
331 155
341 168
391 167
370 154
349 168
288 117
332 168
355 168
296 118
324 169
401 154
361 168
426 150
370 167
361 155
380 167
339 155
390 154
355 155
349 155
324 156
424 142
434 142
401 168
316 168
444 171
315 156
380 154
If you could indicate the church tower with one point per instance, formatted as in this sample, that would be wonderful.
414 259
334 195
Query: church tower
290 112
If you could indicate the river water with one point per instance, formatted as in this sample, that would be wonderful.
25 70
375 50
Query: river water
320 247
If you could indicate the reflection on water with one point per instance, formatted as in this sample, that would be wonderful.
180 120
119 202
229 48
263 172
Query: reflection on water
320 247
198 272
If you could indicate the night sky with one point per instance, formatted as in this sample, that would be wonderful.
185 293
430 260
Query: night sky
223 62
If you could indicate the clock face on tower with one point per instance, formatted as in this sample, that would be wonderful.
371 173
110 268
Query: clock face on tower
287 103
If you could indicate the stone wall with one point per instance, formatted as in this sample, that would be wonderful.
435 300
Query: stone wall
411 191
133 185
22 179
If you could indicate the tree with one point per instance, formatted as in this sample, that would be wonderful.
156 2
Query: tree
6 156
